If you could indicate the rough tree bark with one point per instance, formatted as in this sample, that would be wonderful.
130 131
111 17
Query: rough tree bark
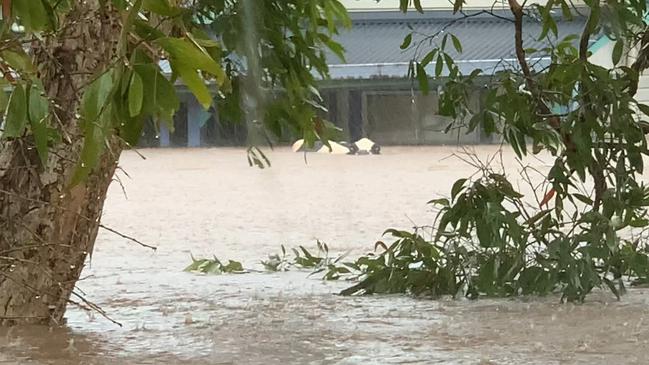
47 230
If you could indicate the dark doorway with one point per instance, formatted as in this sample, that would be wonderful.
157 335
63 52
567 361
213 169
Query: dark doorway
178 137
355 115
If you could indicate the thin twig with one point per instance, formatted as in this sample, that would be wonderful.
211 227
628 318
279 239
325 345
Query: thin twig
128 237
92 306
119 181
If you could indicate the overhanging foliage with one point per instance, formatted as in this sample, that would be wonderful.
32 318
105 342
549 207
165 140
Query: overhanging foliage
588 228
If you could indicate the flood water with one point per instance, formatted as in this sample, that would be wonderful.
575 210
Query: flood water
209 202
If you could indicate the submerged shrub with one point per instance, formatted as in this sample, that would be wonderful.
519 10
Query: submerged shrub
318 261
488 241
214 266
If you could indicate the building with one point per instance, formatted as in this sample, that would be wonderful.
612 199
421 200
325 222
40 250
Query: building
369 94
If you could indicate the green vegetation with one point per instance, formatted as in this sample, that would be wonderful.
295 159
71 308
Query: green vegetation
319 262
417 266
70 114
588 228
215 267
84 78
585 224
457 266
302 259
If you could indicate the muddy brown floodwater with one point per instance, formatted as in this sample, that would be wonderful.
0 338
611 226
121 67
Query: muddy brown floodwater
208 201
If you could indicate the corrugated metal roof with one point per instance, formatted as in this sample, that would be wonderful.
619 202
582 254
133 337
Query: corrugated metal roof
375 39
373 43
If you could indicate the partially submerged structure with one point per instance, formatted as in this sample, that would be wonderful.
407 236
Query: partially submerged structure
369 93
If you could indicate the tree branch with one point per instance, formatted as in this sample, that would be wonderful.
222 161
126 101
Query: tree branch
591 24
6 9
430 37
127 237
90 306
517 11
642 61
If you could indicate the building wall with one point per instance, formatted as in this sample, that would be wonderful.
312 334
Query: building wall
373 5
389 114
602 52
399 117
642 95
643 89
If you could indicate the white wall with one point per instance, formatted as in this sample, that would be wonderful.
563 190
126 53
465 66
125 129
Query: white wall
372 5
642 96
603 55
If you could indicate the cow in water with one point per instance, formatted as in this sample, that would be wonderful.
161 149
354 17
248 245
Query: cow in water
364 146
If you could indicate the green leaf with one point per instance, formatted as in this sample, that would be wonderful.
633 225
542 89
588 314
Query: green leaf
159 93
549 24
16 114
95 135
565 9
644 108
145 31
439 65
130 128
233 267
119 4
187 55
474 122
457 5
553 26
639 223
203 40
52 16
418 6
38 104
617 51
38 112
403 5
196 84
342 13
443 202
612 287
31 14
457 188
135 95
422 77
97 118
584 199
41 137
165 93
17 60
4 100
186 60
510 136
484 233
127 26
456 43
406 41
428 57
449 63
96 96
161 7
334 46
330 15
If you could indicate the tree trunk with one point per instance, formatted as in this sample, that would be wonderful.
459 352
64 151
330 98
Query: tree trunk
47 229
